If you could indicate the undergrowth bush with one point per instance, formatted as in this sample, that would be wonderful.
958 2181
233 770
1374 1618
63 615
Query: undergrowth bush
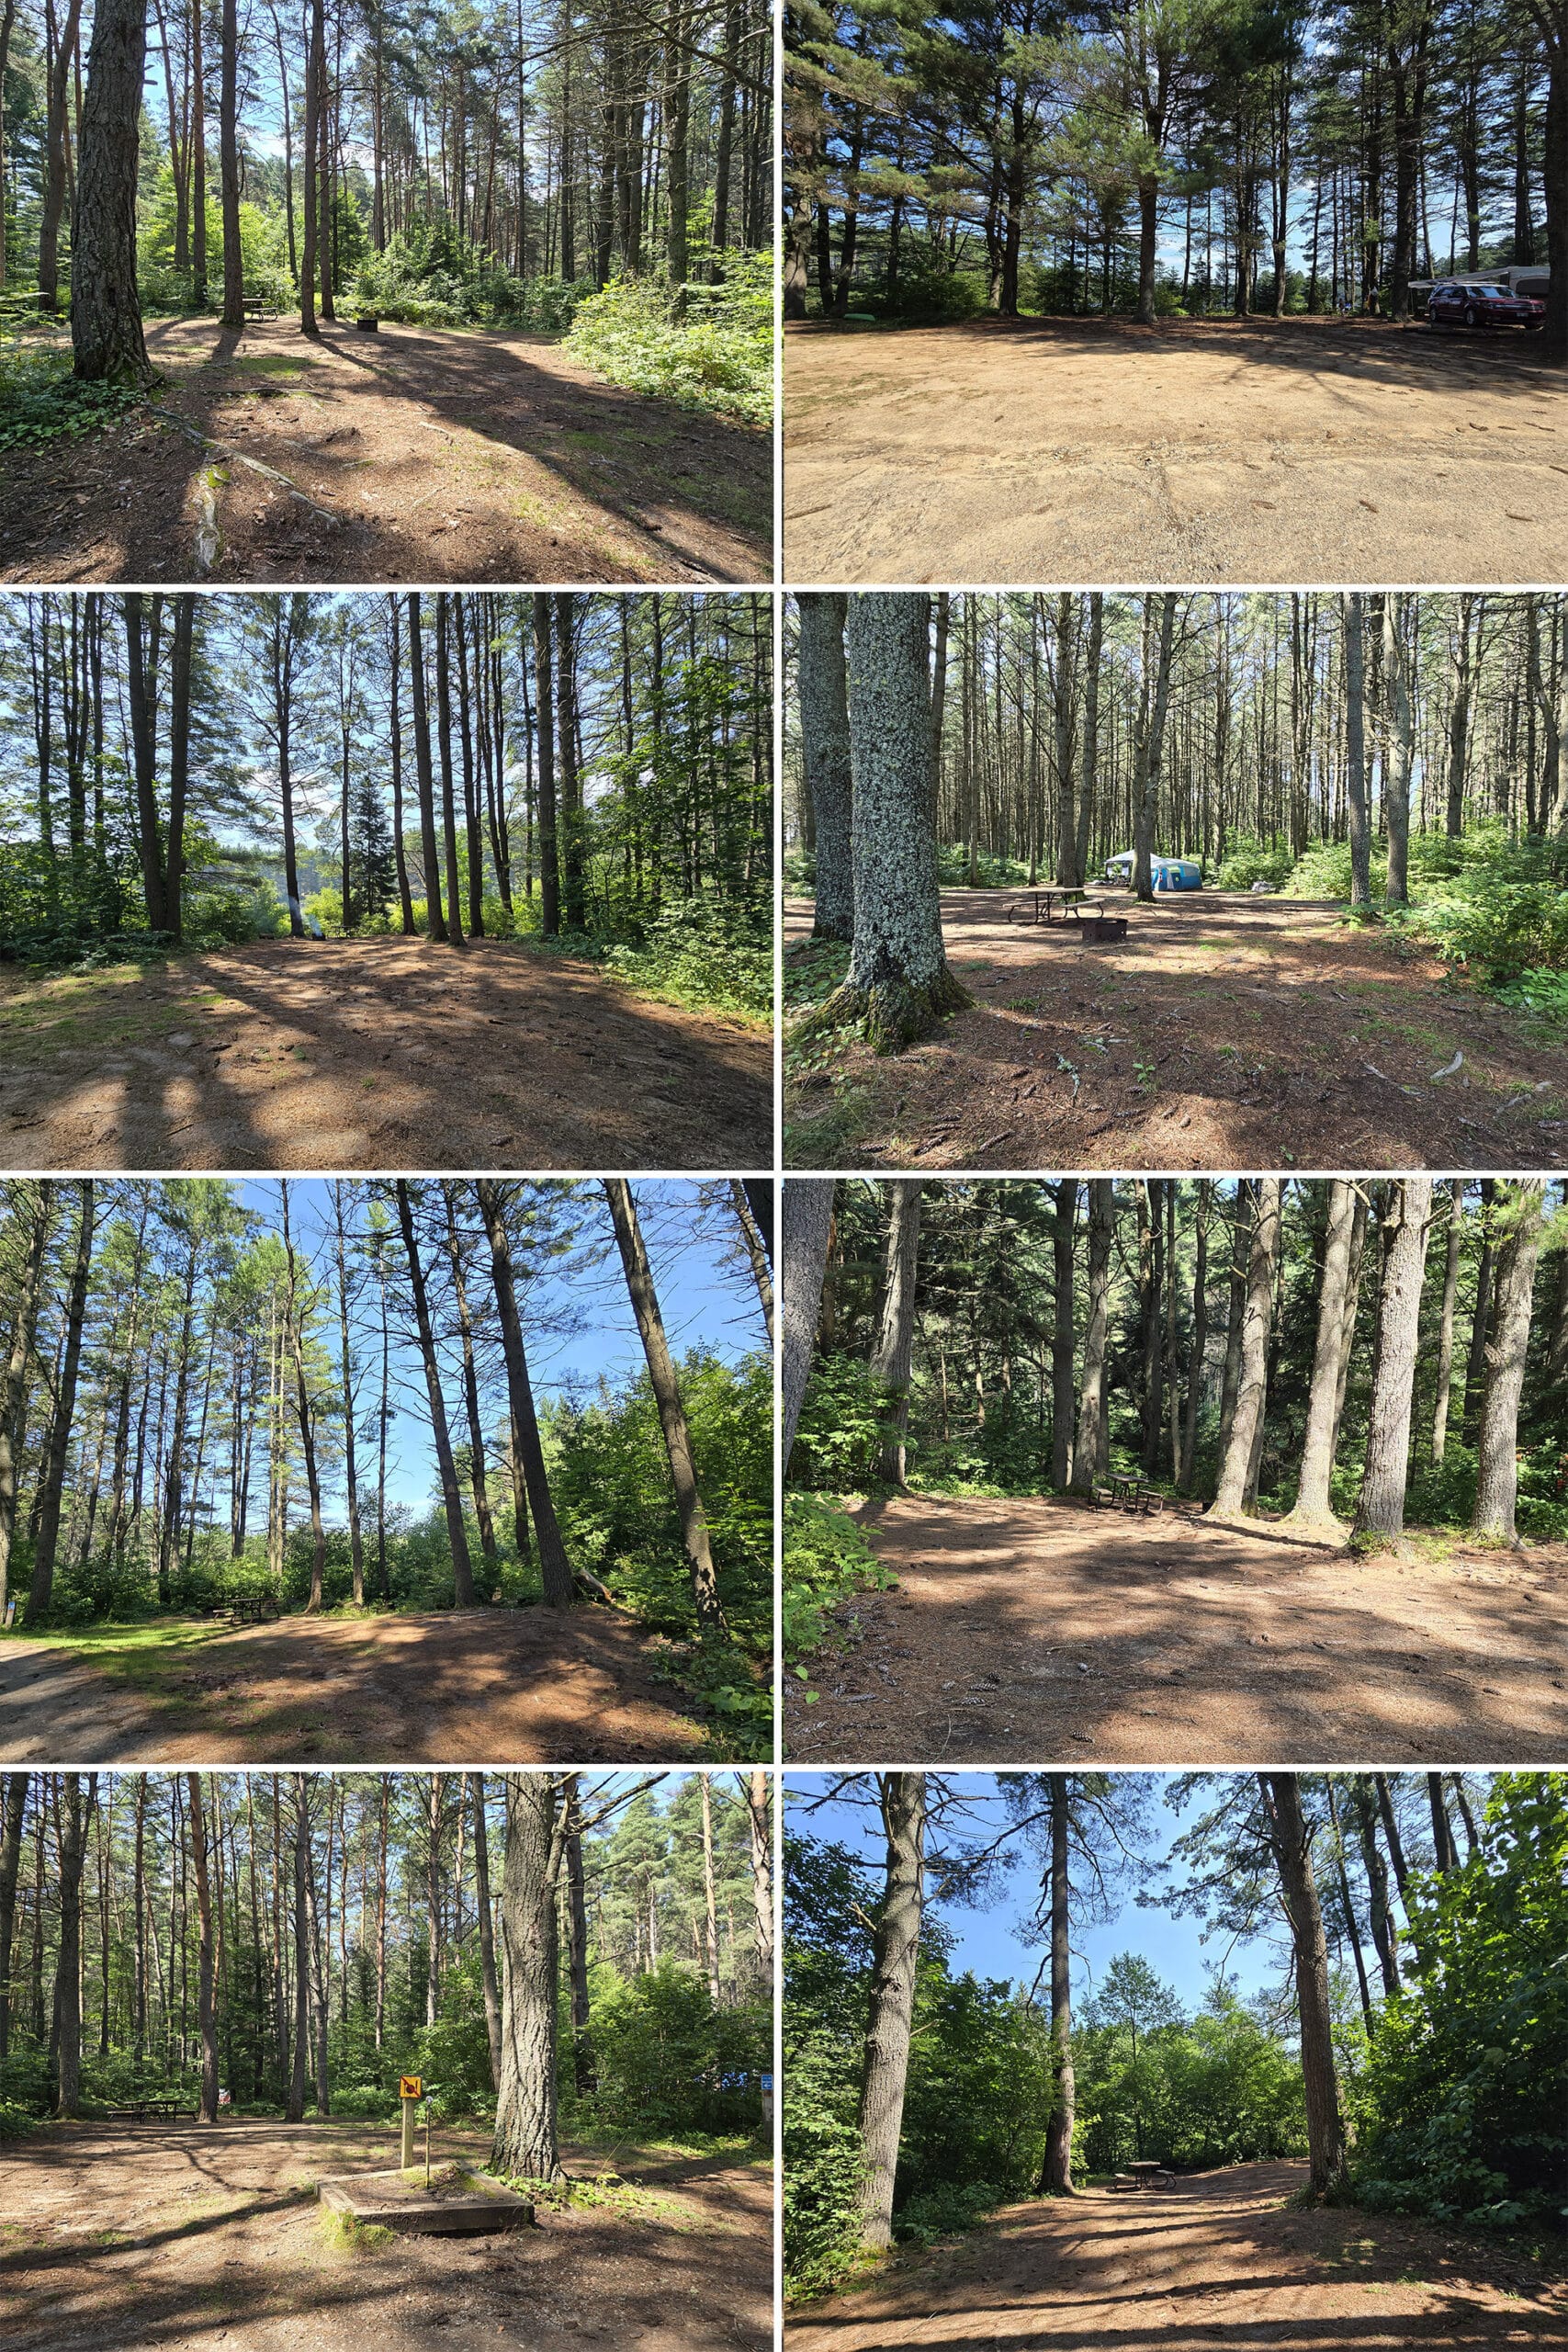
705 953
826 1559
41 401
1484 901
1248 860
707 347
990 872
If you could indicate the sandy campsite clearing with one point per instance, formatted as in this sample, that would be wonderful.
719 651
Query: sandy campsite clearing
450 1687
412 454
1035 1627
1220 2259
189 2237
1034 451
1224 1032
372 1053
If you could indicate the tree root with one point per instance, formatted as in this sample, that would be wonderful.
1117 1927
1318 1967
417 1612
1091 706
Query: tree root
890 1013
238 457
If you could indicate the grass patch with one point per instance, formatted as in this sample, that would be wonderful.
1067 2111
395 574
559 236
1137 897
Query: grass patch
342 2234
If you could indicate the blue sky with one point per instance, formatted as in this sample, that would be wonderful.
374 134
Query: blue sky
991 1938
578 1324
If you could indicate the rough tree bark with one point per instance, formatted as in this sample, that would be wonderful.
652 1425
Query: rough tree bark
1056 2171
824 755
1312 1511
1101 1237
524 2147
891 2000
1381 1510
1497 1474
106 315
1247 1421
555 1568
891 1356
807 1223
1292 1842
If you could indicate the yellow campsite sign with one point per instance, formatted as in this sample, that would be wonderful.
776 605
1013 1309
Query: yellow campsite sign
410 2087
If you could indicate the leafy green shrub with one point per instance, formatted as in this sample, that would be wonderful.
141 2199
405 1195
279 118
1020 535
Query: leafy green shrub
705 953
942 2213
16 2120
1248 860
1538 991
704 347
1464 2071
928 290
826 1558
41 401
666 2061
844 1416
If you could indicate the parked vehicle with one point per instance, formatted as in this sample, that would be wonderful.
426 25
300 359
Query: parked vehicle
1460 302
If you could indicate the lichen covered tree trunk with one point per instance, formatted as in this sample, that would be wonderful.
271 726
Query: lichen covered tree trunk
806 1226
898 985
1312 1508
825 758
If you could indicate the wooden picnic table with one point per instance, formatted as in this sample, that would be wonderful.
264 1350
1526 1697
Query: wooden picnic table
1147 2171
1129 1492
147 2110
1046 899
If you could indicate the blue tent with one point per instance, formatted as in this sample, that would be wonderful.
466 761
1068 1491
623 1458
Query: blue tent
1165 873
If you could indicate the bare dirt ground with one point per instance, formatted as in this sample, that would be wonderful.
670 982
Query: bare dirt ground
372 1053
1225 1032
185 2237
1220 2259
1031 451
1036 1627
412 454
460 1687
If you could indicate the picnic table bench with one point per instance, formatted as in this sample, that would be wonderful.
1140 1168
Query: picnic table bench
1145 2174
1123 1491
1043 901
150 2111
259 306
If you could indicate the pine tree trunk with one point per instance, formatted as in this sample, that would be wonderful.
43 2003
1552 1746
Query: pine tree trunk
1445 1372
52 1468
73 1827
667 1398
1247 1420
1087 1463
12 1382
229 169
807 1223
891 2001
456 1531
1057 2173
1312 1508
1381 1510
891 1356
898 985
524 2147
1062 1234
206 2024
1292 1843
825 761
1497 1473
555 1568
106 316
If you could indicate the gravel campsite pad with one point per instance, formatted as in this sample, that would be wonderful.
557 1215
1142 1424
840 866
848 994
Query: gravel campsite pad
453 1687
1034 1627
1224 1032
415 453
191 2238
1220 2259
372 1053
1035 451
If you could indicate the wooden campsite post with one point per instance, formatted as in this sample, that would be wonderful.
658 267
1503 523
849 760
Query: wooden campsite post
409 2091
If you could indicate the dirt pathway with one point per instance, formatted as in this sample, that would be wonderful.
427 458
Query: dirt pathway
417 453
1034 1627
1218 2260
185 2238
372 1053
1224 1032
1033 452
447 1688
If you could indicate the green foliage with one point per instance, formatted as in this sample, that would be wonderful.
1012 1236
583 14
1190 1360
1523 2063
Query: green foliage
1463 2087
40 402
927 289
991 873
1217 2089
708 953
826 1558
666 2061
1485 901
1248 860
430 275
707 347
842 1418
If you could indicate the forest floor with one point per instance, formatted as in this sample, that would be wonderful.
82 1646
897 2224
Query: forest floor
1226 1031
1220 2259
415 453
1032 1625
1036 451
187 2237
447 1687
372 1054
